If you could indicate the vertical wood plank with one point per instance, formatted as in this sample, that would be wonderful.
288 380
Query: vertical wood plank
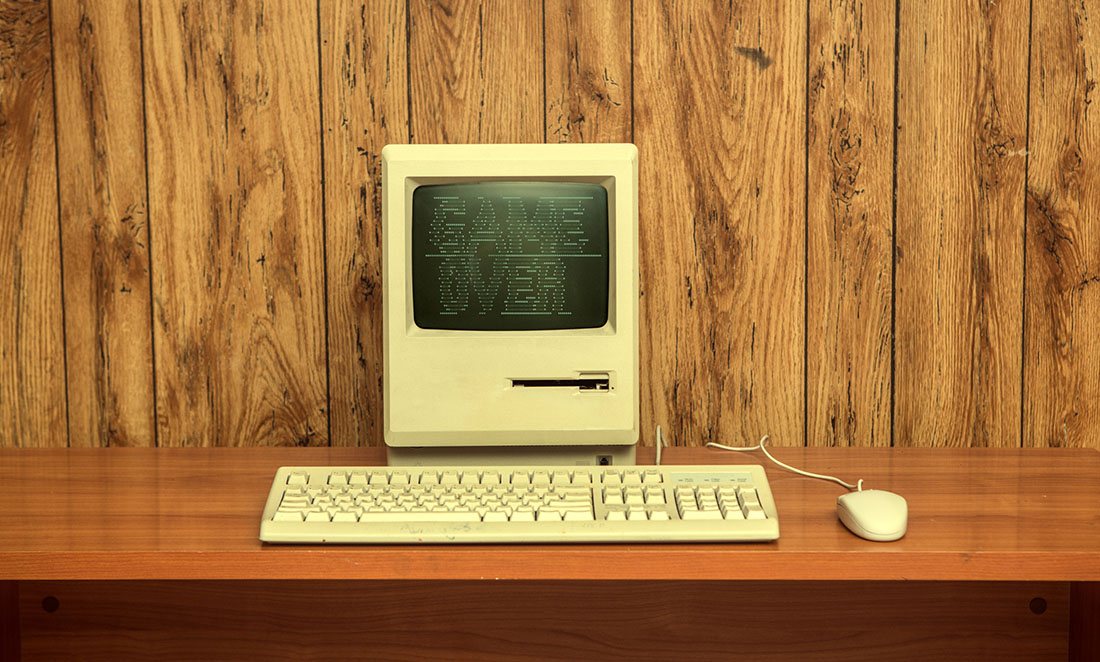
365 104
32 351
850 223
476 71
720 130
235 196
962 77
1062 336
588 60
101 143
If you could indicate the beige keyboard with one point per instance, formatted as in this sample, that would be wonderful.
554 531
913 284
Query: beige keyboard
720 503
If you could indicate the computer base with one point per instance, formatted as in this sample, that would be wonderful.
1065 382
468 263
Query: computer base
419 456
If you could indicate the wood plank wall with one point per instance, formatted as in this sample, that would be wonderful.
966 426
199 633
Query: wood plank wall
862 223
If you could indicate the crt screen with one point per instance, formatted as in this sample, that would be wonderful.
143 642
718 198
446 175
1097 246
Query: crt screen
504 256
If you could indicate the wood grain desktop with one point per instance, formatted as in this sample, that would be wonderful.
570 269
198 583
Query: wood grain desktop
141 549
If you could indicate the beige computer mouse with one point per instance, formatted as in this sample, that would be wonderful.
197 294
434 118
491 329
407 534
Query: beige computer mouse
874 514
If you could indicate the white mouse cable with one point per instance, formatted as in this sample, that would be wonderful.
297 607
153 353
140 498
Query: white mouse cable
761 447
661 443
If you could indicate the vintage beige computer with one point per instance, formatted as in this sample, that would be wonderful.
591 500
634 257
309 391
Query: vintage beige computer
510 333
510 324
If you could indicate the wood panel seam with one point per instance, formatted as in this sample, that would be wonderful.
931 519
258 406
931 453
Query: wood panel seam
544 121
324 225
408 71
806 237
1023 230
60 232
894 235
148 222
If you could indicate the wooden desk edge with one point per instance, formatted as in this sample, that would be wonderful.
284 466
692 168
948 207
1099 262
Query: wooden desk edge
511 563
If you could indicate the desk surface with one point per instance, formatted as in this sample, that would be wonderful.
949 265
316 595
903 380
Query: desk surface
974 514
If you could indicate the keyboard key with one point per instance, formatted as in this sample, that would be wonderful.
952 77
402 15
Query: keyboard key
655 497
700 514
420 517
567 504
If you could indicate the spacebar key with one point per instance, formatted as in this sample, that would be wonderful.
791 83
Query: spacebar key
420 517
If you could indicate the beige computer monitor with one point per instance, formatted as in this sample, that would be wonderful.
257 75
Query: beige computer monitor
506 395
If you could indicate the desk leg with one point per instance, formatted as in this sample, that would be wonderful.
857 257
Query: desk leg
9 621
1084 625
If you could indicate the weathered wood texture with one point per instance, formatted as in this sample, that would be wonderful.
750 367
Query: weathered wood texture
101 132
722 230
1062 332
235 199
810 268
475 71
961 142
849 223
32 349
589 97
364 98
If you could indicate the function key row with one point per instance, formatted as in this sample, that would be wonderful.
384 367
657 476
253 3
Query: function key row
608 478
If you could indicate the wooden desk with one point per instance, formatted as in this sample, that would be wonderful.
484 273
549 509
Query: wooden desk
153 554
